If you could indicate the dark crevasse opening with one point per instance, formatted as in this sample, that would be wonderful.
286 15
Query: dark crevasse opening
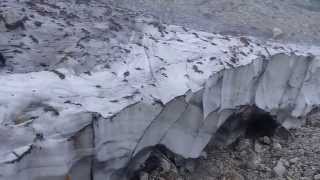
250 122
156 161
259 124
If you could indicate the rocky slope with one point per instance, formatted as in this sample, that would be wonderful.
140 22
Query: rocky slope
291 20
265 158
89 89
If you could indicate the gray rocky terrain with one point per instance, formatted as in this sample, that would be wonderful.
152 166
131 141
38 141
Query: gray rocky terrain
265 158
298 20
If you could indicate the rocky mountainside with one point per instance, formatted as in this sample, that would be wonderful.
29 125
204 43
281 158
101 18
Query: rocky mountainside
91 91
292 20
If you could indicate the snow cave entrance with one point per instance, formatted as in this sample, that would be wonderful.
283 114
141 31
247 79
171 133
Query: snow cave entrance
249 122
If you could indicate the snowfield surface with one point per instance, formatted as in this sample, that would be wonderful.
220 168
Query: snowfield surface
93 85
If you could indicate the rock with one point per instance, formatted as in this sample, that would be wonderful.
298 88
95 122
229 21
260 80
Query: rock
277 146
259 148
13 25
276 32
285 162
165 164
265 140
204 155
243 144
144 176
10 17
280 169
294 160
289 178
256 159
316 177
190 165
282 133
264 168
169 176
37 23
233 175
2 60
305 178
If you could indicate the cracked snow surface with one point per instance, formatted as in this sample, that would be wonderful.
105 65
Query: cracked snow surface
86 87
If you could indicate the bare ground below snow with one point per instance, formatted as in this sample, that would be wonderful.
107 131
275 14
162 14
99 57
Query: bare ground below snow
297 159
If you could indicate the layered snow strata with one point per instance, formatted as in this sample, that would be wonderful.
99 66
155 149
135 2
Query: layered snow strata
48 137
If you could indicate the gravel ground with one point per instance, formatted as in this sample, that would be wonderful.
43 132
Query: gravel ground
266 159
293 155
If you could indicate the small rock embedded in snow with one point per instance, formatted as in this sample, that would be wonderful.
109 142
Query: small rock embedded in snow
276 32
2 60
245 41
126 74
37 23
280 169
